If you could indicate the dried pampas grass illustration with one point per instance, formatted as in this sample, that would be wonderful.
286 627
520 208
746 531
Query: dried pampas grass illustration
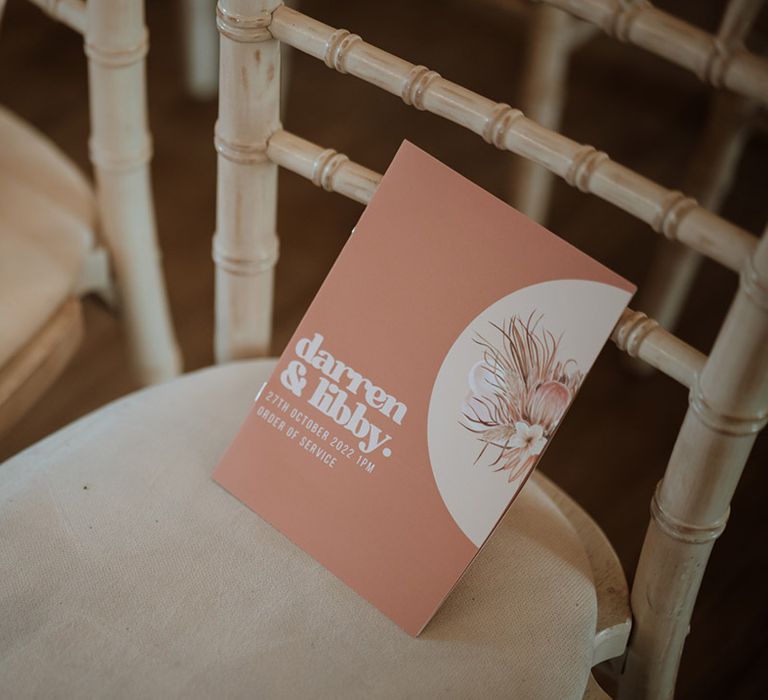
519 391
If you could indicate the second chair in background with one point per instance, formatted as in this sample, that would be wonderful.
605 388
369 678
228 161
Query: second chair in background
553 34
62 237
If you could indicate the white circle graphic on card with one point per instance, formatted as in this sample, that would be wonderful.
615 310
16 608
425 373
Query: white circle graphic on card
503 389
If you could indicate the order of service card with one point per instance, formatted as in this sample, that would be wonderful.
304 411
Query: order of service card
422 386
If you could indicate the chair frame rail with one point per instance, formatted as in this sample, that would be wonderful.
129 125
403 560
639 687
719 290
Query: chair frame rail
711 57
120 146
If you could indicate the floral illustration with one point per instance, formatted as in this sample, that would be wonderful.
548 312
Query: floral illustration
518 393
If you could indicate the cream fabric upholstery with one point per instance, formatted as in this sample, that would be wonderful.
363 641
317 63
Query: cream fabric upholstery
35 161
46 229
125 571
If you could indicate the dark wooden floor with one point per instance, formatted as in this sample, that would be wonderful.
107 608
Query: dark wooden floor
612 450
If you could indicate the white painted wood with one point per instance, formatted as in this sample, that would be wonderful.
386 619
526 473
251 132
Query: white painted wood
201 51
201 48
245 246
550 39
325 167
582 166
729 405
96 277
115 42
635 333
709 178
737 22
116 45
72 13
643 338
542 96
642 24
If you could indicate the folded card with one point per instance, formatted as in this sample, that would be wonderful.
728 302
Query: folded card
422 386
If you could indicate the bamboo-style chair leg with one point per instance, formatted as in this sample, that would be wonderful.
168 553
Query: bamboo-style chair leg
728 407
709 179
552 35
245 245
640 23
541 98
116 45
201 48
96 277
201 51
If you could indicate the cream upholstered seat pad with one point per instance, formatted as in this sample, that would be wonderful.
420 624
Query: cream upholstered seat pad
35 161
46 229
125 571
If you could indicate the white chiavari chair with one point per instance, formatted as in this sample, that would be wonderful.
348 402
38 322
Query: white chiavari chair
201 48
555 28
551 37
127 569
59 235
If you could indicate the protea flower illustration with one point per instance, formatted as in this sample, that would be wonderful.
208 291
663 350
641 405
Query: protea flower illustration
518 393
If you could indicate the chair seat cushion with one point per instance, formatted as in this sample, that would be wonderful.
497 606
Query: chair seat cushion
125 571
46 229
35 161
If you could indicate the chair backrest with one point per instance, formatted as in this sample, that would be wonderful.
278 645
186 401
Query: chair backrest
728 390
116 44
552 36
720 59
555 29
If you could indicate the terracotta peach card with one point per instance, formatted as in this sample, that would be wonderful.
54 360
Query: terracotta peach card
422 387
